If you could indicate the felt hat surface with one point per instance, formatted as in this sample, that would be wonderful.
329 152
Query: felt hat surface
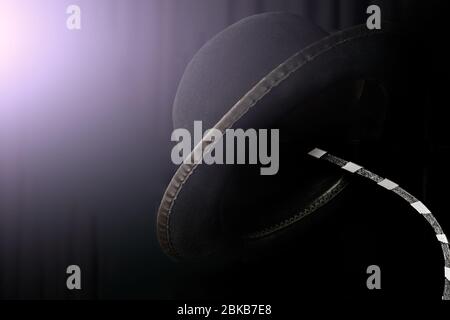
273 70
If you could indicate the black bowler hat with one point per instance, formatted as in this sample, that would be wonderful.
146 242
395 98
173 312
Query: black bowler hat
274 70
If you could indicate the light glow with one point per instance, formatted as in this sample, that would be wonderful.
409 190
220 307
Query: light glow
12 36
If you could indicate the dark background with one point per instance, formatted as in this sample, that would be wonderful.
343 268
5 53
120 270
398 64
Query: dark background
82 185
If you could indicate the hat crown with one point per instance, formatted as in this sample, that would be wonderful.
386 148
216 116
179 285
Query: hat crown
235 60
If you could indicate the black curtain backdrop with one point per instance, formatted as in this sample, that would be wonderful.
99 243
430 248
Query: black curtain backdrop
95 204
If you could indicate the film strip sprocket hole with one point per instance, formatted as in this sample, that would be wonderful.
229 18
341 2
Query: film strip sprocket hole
393 187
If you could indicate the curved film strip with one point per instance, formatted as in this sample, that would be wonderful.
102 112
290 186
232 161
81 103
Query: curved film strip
413 201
